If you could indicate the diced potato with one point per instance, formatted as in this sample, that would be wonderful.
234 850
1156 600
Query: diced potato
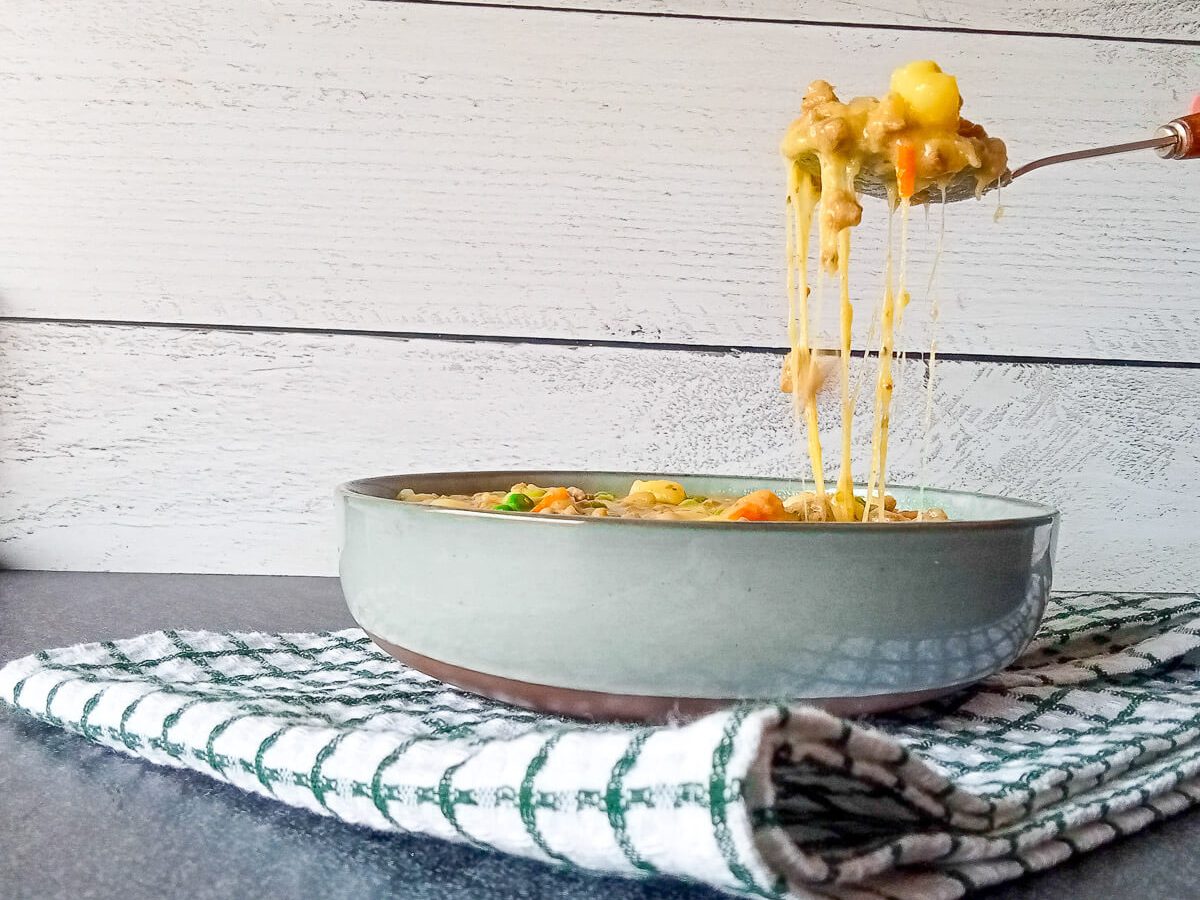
663 491
931 95
640 498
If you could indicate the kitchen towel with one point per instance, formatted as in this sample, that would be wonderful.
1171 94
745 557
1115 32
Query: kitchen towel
1091 735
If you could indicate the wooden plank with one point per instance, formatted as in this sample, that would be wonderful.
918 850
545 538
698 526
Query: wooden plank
154 449
1160 19
436 169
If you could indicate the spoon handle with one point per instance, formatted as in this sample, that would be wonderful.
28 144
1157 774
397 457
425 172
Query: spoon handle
1178 139
1186 134
1162 141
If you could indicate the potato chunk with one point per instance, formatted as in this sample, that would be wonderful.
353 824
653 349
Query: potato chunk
663 491
931 95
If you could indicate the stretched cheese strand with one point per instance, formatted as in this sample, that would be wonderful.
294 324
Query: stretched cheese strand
837 183
801 201
884 385
885 357
792 361
873 331
886 315
901 373
844 498
934 315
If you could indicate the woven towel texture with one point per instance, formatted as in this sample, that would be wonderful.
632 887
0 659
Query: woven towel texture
1091 735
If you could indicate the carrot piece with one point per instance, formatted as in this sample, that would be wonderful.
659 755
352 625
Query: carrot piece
758 506
906 169
552 496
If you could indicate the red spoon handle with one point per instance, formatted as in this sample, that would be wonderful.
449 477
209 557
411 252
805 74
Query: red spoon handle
1187 131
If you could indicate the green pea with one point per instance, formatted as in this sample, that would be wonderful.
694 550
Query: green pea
518 502
603 495
505 507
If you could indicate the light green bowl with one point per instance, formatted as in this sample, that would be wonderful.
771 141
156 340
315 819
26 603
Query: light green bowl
644 619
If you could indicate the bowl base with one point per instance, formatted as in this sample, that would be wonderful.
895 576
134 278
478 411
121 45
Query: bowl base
599 706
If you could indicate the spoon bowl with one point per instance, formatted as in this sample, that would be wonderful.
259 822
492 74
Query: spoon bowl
963 186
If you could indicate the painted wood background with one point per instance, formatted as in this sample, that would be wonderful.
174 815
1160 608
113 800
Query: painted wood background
1161 19
246 245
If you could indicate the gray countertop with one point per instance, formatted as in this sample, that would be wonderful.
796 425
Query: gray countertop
80 821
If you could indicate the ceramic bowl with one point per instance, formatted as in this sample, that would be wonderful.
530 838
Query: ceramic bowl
645 620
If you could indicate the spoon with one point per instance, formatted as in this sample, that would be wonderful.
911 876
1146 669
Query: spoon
1178 139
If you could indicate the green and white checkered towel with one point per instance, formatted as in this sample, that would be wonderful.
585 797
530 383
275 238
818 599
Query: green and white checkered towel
1091 735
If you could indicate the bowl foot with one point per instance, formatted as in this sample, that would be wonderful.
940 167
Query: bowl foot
599 706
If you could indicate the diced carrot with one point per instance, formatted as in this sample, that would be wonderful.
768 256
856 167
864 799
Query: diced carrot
552 496
906 169
759 506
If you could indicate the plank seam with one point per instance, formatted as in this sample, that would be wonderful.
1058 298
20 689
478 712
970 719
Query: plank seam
770 20
603 343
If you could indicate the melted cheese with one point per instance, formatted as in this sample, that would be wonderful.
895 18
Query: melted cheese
931 363
911 141
884 383
800 376
844 508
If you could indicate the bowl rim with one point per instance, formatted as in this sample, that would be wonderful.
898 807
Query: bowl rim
1039 513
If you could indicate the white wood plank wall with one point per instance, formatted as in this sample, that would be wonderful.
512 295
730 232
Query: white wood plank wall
243 243
1162 19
